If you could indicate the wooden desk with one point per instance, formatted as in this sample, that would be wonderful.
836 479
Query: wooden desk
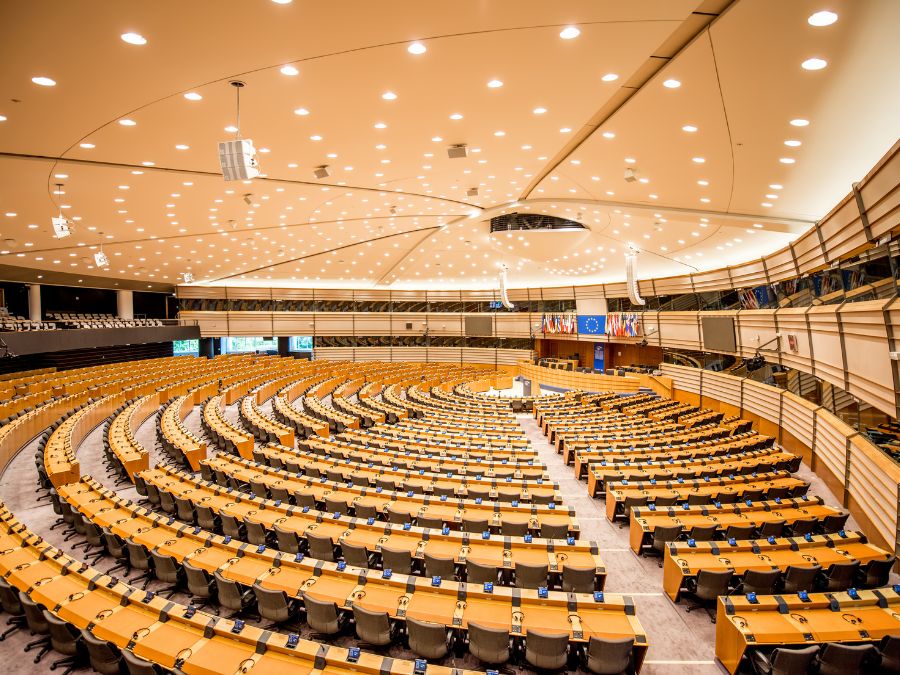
683 562
644 522
451 510
158 629
503 552
616 493
515 610
785 620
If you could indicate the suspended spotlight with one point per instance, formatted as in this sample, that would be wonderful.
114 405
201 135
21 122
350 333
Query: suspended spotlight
321 171
188 277
459 151
631 283
238 157
630 175
100 259
248 198
504 295
472 192
62 228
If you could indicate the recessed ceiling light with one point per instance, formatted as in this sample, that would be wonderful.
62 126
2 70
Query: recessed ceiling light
231 129
282 2
494 84
127 123
437 139
60 175
690 128
44 81
704 183
608 134
569 33
800 122
302 112
182 146
787 160
758 225
565 130
136 38
610 77
315 137
792 143
671 84
823 18
456 116
193 96
417 48
698 160
539 111
87 146
776 186
630 160
289 70
814 64
2 118
389 96
380 125
149 163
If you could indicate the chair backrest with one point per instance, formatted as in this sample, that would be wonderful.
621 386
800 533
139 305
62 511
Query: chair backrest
365 511
372 627
303 498
136 665
398 560
287 540
772 528
790 661
428 640
9 599
761 582
490 645
578 579
476 573
199 582
439 566
890 653
554 530
322 615
841 575
713 583
321 547
433 522
800 578
739 531
665 534
206 518
531 576
804 526
273 604
104 656
256 533
355 554
840 659
165 567
834 523
878 572
514 528
336 504
703 532
609 656
137 555
63 636
34 615
475 525
546 651
228 593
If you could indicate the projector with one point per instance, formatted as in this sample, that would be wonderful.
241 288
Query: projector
630 175
458 151
61 227
100 259
238 159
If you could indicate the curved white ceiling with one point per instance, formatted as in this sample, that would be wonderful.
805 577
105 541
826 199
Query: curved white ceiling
395 211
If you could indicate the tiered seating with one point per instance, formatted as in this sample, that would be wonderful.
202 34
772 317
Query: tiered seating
70 320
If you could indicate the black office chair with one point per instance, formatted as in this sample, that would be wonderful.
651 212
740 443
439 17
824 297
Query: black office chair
761 582
840 576
889 649
707 587
798 579
66 640
546 651
783 661
609 656
875 573
840 659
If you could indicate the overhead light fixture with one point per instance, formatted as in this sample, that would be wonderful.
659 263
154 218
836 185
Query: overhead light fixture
458 151
321 171
823 18
289 70
690 128
127 123
237 157
389 96
44 81
417 48
193 96
610 77
799 123
472 192
134 38
814 64
671 84
100 259
569 33
630 175
495 84
188 277
301 112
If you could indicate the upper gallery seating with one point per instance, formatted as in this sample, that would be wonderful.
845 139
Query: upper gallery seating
69 320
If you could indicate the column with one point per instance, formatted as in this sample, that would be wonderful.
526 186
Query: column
206 347
125 303
34 302
284 346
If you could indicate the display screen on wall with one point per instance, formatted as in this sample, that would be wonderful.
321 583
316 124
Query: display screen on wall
479 326
185 347
301 343
718 334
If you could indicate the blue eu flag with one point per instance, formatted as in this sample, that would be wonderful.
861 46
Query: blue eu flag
591 324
